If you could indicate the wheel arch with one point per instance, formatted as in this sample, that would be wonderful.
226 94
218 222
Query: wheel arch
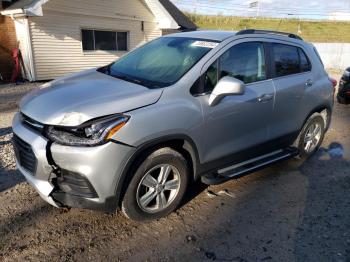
325 111
181 143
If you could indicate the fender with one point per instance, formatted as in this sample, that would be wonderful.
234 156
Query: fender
188 145
319 109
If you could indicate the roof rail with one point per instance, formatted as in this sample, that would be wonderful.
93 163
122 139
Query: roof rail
255 31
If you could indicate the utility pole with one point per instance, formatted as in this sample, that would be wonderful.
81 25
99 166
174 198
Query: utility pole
299 22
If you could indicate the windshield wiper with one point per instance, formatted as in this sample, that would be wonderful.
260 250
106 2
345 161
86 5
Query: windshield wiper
129 79
105 69
108 69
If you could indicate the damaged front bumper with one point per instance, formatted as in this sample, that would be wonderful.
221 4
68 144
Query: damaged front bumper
83 177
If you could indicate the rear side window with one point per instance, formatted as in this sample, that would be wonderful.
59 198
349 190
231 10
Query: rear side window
305 65
286 59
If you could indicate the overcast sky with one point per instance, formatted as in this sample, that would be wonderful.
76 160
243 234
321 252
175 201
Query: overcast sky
321 9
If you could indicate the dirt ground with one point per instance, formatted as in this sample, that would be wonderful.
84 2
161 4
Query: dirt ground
293 211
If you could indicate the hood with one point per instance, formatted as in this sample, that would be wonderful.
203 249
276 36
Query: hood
73 100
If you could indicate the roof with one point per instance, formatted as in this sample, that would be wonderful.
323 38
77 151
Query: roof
25 7
21 4
181 19
33 7
214 35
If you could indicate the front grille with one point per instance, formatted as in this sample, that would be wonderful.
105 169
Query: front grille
24 154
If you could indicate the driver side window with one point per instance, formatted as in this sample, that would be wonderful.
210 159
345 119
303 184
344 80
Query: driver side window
245 62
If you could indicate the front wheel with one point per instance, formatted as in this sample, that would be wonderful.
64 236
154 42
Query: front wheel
311 136
157 186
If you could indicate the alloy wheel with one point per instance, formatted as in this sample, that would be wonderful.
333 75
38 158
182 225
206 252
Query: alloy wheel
312 137
158 188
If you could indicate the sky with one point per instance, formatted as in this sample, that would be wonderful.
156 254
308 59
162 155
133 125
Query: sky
321 9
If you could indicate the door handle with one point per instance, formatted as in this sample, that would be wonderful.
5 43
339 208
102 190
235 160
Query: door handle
265 98
309 82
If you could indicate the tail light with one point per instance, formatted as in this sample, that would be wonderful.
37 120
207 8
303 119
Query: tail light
334 82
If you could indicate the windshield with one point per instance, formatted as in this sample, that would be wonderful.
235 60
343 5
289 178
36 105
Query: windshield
161 62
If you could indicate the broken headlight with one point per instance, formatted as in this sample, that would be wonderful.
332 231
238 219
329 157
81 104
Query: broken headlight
91 133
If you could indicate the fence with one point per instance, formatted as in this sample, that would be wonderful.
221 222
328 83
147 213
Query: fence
334 55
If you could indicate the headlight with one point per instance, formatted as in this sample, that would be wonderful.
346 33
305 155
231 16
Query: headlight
91 133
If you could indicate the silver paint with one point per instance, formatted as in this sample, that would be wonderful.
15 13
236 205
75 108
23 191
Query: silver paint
267 110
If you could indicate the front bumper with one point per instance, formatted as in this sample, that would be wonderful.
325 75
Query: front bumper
97 167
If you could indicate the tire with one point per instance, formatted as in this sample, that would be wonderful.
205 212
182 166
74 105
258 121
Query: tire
142 187
342 100
303 141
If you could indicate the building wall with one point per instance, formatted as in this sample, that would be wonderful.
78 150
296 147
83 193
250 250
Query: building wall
8 42
170 31
56 36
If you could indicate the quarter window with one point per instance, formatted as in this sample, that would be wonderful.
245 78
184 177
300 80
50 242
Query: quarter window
104 40
211 77
305 65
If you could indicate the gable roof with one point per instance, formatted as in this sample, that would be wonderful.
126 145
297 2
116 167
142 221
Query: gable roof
166 9
181 19
25 7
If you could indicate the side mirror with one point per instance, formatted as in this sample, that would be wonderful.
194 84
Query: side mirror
227 86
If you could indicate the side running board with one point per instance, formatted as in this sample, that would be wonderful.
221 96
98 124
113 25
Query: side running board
248 166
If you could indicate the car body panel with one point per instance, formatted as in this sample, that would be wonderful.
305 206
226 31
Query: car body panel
74 100
289 94
101 165
344 87
176 113
228 126
237 128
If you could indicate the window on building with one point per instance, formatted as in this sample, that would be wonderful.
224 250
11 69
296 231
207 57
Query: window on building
93 40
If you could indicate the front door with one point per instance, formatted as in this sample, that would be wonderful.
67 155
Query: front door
238 123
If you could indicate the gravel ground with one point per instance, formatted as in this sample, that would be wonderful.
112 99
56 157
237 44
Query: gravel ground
10 95
293 211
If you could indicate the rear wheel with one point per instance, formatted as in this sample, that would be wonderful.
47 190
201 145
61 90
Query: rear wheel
311 136
157 187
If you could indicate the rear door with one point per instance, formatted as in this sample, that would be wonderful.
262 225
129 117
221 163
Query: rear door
292 76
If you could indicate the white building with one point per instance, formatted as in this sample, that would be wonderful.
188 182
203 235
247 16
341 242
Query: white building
57 37
339 16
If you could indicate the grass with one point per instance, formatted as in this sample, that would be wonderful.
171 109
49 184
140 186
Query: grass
312 31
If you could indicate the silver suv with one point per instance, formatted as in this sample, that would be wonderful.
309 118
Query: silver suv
206 105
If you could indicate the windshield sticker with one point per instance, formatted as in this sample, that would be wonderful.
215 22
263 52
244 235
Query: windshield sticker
205 44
